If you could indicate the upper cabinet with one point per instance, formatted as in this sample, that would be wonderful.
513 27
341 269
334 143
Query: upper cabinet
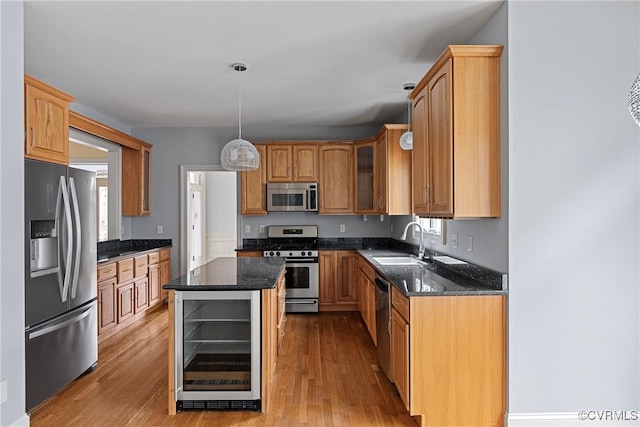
136 181
253 191
364 163
290 162
46 122
383 173
335 184
456 135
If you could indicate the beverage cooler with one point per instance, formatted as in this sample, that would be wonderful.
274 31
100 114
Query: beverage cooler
217 350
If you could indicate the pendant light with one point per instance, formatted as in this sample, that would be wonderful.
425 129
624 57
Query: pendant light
239 154
406 139
634 100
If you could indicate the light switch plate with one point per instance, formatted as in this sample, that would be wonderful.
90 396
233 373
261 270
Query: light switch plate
247 228
261 229
454 240
342 228
160 229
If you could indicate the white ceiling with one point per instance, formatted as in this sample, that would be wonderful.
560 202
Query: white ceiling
168 63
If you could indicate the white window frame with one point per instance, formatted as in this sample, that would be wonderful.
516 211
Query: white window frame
431 226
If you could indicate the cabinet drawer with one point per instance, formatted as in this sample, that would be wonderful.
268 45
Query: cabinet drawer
165 254
140 265
154 258
400 303
106 271
125 270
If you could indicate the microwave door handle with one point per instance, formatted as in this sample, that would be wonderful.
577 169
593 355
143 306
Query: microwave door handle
306 198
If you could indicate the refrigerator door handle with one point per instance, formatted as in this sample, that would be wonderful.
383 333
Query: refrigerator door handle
63 196
63 324
77 248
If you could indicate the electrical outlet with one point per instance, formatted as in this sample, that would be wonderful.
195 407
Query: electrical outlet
3 391
469 243
342 228
454 240
160 229
247 228
261 229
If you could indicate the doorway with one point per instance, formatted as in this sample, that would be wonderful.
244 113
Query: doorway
208 215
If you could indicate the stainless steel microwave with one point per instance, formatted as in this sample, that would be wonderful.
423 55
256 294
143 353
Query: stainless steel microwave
292 197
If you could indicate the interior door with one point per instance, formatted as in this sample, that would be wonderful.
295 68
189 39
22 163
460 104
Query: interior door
197 220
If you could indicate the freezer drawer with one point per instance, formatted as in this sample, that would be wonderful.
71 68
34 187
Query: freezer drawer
59 351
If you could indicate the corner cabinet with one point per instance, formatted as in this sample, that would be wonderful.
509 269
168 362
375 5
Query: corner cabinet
383 173
468 389
335 184
46 116
456 135
253 191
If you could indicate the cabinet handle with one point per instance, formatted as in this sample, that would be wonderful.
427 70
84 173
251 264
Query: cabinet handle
33 137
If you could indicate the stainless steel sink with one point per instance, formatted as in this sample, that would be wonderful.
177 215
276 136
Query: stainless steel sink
398 260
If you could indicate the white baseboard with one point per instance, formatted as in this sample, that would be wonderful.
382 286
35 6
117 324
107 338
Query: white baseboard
575 419
23 421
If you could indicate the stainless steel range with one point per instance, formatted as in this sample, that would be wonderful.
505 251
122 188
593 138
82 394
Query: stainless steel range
299 245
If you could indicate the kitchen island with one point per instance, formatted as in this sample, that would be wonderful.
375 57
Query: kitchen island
226 320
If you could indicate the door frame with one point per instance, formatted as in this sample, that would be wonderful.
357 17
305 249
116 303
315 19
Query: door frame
184 199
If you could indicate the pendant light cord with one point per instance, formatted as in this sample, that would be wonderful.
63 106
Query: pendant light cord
239 108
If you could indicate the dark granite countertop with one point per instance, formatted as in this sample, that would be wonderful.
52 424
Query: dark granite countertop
231 273
435 278
114 250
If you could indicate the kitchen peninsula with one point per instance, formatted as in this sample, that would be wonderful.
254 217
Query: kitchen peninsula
226 321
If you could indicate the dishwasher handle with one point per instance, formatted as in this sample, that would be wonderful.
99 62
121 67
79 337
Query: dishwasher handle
383 285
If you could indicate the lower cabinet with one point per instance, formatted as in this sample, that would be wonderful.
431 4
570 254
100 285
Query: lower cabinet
338 280
106 305
449 358
273 321
125 302
129 287
367 297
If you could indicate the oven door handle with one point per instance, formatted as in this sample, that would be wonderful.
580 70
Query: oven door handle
305 260
300 302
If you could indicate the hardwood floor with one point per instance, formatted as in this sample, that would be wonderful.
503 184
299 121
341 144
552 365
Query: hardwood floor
327 375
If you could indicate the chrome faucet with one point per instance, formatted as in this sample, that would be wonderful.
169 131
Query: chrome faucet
421 248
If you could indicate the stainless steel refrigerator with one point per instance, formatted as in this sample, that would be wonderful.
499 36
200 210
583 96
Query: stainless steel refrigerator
61 332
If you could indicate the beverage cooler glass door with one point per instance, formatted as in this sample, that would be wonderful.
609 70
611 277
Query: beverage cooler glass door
218 345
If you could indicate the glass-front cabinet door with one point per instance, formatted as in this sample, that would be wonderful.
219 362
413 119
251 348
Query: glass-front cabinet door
365 192
219 355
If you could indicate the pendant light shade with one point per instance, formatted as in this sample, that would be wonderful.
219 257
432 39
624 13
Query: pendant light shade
406 139
634 100
239 154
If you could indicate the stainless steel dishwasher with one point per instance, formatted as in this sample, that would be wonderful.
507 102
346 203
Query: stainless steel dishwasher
383 326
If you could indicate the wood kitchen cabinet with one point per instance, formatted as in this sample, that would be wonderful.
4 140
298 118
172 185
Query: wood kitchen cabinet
249 253
367 297
365 177
253 189
273 322
292 162
106 305
46 115
335 182
338 280
456 116
129 287
383 173
136 181
449 357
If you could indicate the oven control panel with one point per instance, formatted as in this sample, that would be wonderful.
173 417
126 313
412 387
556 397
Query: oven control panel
290 254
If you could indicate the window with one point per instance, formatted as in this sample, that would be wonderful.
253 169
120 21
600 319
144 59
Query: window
435 229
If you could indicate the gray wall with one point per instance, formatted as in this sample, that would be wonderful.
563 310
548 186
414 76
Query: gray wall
490 236
12 212
573 207
202 146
